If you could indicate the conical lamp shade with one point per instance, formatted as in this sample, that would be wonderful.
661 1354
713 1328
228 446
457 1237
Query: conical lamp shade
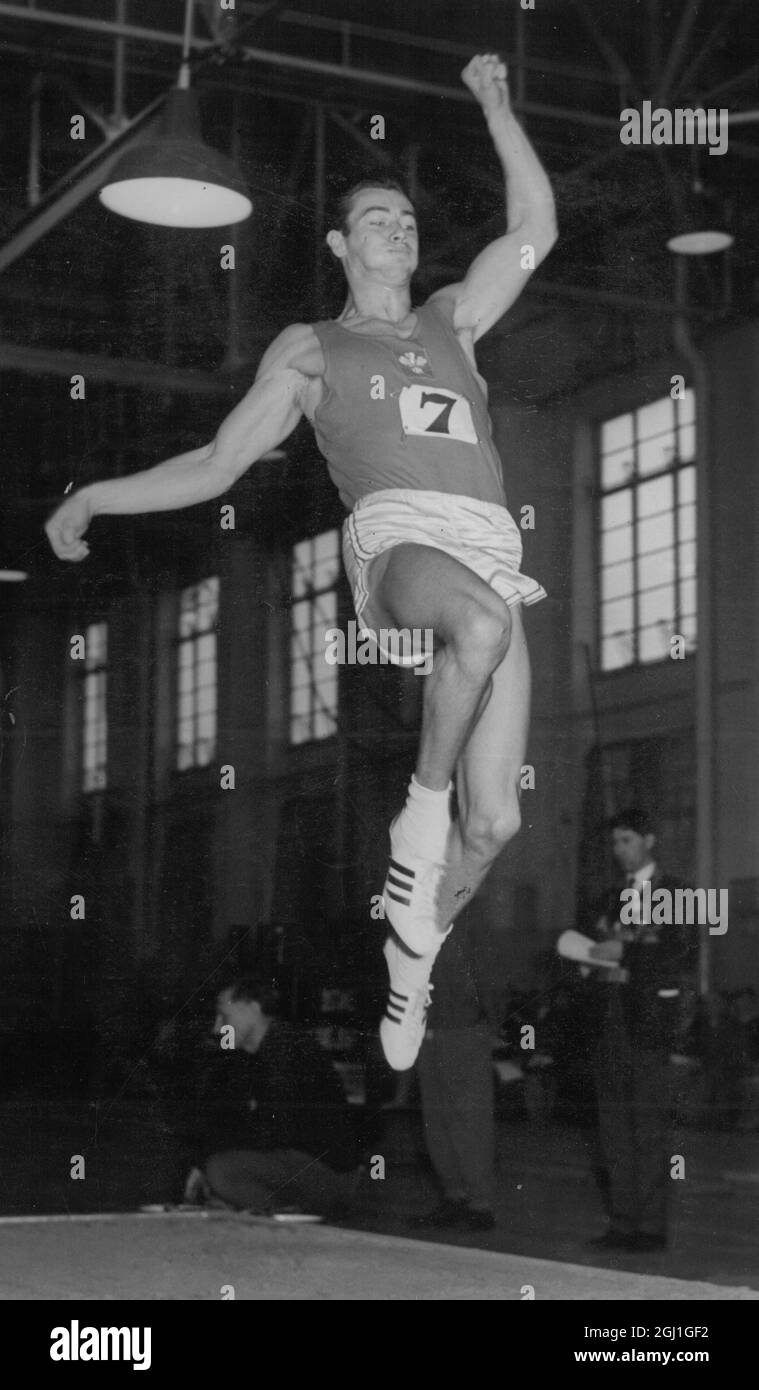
700 227
176 180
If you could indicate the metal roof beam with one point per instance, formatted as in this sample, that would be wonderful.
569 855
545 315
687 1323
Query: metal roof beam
77 185
122 371
295 63
677 50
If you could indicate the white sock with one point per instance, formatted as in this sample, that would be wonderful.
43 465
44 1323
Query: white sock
425 820
409 972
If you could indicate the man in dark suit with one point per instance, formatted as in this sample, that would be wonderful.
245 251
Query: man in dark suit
637 991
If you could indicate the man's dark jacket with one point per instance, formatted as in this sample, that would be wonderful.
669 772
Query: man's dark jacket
660 958
299 1100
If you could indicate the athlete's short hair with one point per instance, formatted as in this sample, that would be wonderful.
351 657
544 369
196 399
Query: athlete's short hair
343 204
632 818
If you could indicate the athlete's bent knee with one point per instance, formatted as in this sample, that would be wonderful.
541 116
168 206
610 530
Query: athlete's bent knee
481 639
486 833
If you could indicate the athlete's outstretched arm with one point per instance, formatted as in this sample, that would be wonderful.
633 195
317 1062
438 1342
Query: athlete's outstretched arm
262 420
497 276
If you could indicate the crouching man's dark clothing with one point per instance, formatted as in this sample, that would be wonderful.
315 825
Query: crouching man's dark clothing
276 1126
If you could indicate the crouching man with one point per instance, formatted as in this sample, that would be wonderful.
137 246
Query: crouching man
276 1132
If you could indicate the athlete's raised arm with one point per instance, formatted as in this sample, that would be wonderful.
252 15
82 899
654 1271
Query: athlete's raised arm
497 276
262 420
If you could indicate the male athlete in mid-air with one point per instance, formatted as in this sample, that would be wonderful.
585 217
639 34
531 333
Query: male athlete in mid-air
428 543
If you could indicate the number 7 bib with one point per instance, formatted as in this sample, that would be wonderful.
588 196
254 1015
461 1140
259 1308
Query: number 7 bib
440 414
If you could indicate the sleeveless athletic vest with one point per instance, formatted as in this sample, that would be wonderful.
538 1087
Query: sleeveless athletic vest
405 413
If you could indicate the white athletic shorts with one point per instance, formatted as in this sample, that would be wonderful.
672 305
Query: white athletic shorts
481 535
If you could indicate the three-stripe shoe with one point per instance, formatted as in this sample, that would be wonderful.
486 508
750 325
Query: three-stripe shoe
405 1018
410 896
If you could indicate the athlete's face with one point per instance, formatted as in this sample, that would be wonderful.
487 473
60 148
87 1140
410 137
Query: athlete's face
382 235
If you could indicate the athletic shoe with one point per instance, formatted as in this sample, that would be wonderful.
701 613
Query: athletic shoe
405 1019
410 894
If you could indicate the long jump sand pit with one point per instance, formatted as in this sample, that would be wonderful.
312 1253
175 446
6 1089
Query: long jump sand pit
199 1255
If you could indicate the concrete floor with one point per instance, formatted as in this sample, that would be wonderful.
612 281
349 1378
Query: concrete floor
548 1206
213 1256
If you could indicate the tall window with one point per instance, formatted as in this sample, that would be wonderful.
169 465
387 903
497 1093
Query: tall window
313 682
647 532
197 674
94 711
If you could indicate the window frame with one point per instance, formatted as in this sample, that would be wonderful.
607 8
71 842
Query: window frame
675 470
100 668
311 597
191 641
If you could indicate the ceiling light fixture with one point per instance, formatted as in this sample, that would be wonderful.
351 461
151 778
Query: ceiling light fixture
701 230
175 179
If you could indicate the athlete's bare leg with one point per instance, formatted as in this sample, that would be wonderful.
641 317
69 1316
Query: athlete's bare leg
474 725
417 586
488 777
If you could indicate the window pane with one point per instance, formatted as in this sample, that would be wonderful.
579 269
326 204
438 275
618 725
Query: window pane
687 442
617 434
656 418
313 682
686 408
184 757
656 569
186 620
205 647
206 725
617 616
616 510
686 522
299 730
300 700
206 699
616 581
95 643
653 643
617 546
686 485
326 572
657 606
300 616
325 609
688 598
655 497
300 674
208 601
655 454
656 533
687 559
689 630
324 725
616 469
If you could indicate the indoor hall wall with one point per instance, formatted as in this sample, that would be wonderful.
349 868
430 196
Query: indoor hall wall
549 458
661 698
733 359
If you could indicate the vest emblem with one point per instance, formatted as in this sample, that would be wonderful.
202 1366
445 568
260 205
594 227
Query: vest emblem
414 361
